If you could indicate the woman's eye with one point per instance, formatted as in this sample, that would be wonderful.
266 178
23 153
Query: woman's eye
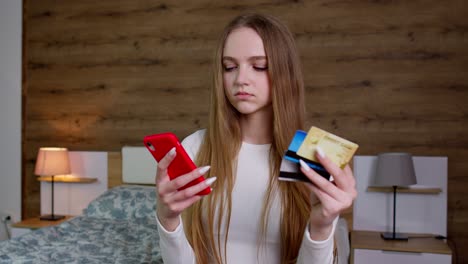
260 68
229 68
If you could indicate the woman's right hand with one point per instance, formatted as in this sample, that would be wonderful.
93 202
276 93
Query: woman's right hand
171 202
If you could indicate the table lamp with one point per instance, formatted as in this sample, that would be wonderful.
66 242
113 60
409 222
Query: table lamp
395 169
52 162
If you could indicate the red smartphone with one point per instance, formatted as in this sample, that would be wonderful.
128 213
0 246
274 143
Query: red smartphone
160 144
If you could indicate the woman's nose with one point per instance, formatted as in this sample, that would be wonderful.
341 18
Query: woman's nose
242 77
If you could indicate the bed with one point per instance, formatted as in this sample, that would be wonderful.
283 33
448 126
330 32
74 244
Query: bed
117 227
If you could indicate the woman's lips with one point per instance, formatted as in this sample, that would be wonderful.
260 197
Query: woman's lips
243 95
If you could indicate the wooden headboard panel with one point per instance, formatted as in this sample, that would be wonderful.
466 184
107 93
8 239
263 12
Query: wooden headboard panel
114 169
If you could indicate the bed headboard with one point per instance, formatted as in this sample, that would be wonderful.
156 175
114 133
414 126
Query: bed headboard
133 165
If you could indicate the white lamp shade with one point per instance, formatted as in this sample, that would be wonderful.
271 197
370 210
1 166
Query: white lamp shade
52 161
395 169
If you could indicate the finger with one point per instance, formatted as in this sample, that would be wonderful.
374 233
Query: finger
331 167
330 203
322 197
163 164
319 181
181 181
181 206
191 191
351 180
328 208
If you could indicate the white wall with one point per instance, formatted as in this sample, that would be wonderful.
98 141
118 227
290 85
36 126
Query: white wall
10 110
72 198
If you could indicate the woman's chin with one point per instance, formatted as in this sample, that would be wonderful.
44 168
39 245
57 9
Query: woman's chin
250 109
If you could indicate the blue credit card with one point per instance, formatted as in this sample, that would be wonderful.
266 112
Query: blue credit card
294 146
297 140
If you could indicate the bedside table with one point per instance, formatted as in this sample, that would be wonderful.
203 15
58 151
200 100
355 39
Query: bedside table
369 247
27 225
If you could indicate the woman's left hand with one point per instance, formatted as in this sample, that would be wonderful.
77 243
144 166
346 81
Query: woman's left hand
334 197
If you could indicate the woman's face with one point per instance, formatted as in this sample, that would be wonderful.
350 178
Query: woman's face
245 72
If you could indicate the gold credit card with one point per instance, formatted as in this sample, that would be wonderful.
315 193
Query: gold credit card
337 149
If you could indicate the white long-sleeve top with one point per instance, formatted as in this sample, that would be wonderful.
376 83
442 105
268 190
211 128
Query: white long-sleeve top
247 200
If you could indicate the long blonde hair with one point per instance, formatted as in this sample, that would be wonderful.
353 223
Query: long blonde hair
287 90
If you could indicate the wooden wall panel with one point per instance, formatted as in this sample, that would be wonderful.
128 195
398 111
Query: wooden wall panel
390 75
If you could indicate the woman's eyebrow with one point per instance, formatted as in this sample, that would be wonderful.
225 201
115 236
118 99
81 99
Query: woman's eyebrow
256 58
227 58
253 58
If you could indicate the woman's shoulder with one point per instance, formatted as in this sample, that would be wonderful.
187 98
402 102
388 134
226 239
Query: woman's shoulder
192 142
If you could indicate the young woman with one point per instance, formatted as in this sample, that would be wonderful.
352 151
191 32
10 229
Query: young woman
251 217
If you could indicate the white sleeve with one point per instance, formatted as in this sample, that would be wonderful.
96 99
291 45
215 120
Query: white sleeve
193 142
316 251
175 248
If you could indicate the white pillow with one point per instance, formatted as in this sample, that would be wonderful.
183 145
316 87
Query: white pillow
138 166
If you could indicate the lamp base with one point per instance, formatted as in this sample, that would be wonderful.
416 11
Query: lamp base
393 236
51 217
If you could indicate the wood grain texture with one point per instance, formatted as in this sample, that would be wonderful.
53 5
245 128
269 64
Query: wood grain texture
114 169
389 75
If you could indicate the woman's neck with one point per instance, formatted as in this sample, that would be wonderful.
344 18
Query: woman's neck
257 127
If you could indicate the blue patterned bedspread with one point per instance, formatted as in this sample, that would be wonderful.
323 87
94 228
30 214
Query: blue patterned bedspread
92 239
86 240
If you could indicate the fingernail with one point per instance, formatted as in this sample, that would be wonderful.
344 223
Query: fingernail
210 181
204 169
304 165
320 152
172 152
